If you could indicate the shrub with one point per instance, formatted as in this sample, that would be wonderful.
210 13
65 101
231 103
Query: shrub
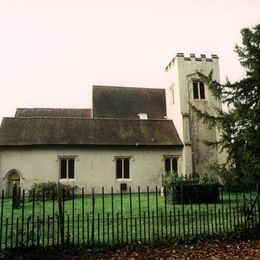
234 183
49 189
194 189
68 190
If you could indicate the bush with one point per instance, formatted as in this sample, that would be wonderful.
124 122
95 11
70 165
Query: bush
232 182
67 190
49 189
195 189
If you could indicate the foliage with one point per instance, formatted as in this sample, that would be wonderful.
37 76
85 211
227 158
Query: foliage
48 189
240 125
172 178
193 189
68 190
248 210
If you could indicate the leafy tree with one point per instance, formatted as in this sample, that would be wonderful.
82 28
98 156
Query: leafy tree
240 125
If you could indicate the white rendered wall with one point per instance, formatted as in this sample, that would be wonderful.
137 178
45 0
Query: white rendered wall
94 167
173 102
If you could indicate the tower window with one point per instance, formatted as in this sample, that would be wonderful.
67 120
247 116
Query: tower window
198 90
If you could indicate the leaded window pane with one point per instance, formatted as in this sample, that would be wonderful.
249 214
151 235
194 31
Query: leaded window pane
126 168
63 168
119 168
167 165
202 91
174 165
195 90
71 168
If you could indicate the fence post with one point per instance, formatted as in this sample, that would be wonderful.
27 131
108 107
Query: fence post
139 211
15 196
157 213
122 216
14 202
165 211
103 215
53 214
237 209
148 216
112 214
23 198
61 212
258 204
43 216
82 212
93 217
1 219
131 214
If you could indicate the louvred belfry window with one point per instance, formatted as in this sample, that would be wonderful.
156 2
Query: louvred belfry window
198 90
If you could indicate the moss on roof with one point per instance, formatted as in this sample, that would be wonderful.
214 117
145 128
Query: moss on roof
126 102
19 131
52 112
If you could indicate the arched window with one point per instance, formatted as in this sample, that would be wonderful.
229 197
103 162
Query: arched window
13 179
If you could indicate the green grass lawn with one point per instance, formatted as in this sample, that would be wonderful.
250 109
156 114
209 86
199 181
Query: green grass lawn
116 219
127 205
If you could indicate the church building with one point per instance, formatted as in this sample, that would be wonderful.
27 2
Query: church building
130 137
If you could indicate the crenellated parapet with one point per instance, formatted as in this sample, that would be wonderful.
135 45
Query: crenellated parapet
192 58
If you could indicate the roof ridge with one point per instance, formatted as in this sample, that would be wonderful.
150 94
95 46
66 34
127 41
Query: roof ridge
86 118
51 108
125 87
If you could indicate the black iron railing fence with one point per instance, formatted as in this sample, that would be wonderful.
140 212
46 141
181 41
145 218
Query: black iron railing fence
99 218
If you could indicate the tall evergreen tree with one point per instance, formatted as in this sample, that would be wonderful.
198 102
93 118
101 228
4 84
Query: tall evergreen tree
240 125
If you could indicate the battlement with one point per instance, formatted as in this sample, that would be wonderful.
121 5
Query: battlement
192 57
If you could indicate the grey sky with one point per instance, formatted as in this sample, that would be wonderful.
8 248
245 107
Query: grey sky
52 52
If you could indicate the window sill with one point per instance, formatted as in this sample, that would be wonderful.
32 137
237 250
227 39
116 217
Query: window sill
123 180
201 100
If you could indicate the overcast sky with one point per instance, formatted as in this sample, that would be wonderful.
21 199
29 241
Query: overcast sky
52 52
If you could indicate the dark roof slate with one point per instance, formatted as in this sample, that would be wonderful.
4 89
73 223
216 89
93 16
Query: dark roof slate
20 131
52 112
127 102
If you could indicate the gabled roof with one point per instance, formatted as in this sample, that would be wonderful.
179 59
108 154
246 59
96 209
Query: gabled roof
19 131
126 102
52 112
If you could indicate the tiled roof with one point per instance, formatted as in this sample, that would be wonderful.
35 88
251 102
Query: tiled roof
21 131
126 102
52 112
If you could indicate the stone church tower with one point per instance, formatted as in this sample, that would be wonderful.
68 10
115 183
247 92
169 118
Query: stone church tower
185 88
